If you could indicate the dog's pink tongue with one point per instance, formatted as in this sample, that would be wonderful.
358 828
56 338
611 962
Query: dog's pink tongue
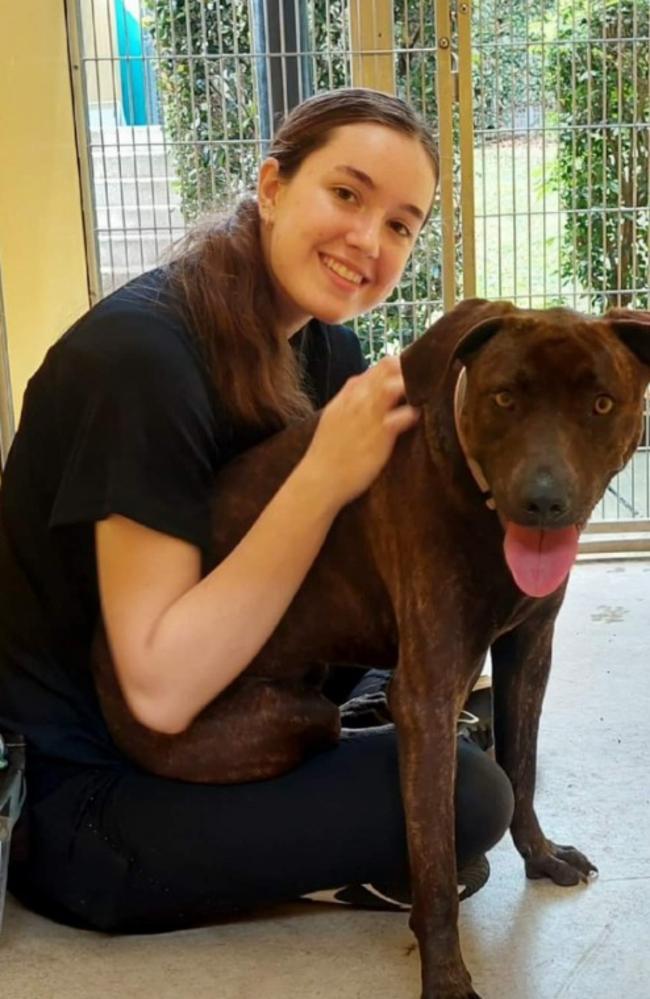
540 560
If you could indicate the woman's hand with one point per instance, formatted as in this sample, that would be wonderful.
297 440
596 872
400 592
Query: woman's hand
358 429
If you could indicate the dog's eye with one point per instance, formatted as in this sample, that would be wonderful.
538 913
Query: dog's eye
504 399
603 405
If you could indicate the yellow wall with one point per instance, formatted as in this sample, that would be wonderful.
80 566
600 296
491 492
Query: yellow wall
42 257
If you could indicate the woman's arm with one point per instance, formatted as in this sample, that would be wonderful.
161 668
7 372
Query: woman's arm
178 640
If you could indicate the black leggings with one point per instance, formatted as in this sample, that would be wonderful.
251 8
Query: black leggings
120 850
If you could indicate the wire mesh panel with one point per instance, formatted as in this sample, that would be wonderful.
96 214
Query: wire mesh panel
561 122
179 104
180 98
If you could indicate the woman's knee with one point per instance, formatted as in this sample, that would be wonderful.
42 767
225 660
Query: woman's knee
484 802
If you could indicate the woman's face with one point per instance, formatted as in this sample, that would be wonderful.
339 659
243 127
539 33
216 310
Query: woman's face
337 235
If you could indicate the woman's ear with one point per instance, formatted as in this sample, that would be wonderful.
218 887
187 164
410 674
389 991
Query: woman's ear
268 185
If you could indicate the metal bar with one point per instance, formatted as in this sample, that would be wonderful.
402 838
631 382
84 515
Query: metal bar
240 99
516 232
147 148
529 227
544 125
102 146
208 101
136 170
634 163
225 140
328 35
499 237
590 219
574 185
259 33
482 131
349 50
604 155
191 69
466 137
163 133
120 146
82 136
285 29
445 92
373 50
619 157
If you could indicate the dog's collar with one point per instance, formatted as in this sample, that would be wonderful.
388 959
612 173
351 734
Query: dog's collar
473 465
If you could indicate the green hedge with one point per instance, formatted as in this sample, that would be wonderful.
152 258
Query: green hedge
206 84
598 63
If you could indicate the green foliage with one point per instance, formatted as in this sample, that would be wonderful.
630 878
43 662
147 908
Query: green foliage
508 60
206 84
328 41
603 165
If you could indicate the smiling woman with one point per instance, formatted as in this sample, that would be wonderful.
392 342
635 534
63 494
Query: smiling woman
344 167
105 529
338 232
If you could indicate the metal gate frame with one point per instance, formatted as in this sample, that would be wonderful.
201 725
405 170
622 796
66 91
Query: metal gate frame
622 538
82 136
371 33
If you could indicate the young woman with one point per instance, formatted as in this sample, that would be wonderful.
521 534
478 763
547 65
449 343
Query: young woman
105 514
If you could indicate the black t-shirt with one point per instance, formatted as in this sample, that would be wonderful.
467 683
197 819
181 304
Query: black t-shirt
121 417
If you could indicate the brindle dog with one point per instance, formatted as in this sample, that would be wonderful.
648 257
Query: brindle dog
426 572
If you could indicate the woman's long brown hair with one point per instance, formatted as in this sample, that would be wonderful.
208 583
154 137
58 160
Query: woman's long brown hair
220 273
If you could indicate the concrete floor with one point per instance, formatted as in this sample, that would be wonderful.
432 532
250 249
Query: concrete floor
521 940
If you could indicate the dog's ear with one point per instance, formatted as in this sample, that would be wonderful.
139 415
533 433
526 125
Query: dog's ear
479 335
458 333
633 328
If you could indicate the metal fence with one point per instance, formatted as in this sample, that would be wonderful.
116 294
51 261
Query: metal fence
541 109
562 172
174 118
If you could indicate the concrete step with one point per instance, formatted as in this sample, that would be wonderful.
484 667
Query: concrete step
127 135
132 161
134 218
615 556
134 251
614 542
114 278
129 192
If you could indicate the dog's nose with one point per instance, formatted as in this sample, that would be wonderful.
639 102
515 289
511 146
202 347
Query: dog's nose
544 501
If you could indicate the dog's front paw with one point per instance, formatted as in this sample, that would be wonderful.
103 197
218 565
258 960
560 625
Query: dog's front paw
451 995
450 987
562 864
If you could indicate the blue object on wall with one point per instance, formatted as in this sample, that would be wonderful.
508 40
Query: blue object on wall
139 96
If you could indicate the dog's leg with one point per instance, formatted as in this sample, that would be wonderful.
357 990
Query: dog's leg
423 703
521 662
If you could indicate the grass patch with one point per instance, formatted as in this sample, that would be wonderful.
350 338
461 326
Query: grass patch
519 225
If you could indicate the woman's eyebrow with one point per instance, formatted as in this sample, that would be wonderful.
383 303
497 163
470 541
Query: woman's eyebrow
368 182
